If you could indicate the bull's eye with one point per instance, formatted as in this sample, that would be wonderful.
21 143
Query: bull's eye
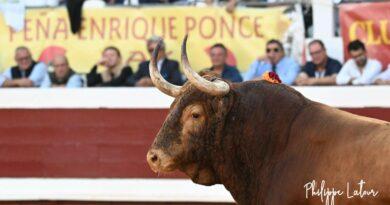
195 115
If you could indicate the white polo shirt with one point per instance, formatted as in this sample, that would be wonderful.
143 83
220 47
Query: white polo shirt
350 70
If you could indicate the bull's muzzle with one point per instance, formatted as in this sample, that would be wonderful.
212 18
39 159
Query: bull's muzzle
153 160
159 161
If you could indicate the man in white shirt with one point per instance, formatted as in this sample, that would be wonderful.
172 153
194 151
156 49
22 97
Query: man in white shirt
359 70
384 77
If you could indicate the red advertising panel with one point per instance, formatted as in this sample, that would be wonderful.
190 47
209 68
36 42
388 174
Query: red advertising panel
369 22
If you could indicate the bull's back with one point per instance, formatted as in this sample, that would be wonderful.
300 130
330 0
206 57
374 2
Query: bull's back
339 148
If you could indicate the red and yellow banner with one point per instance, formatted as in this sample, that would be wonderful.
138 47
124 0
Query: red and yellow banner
47 33
369 22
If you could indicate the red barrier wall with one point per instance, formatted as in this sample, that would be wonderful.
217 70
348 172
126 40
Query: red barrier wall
86 142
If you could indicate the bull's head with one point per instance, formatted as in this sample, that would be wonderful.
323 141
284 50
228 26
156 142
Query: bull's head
188 138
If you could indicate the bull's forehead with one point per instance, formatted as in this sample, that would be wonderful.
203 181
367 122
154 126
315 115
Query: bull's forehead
170 132
190 95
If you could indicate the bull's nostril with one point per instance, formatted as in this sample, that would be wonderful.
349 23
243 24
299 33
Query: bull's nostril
153 158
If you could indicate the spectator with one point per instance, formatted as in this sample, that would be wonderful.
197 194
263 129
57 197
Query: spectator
27 72
116 74
218 57
169 68
276 61
63 75
359 70
322 70
384 77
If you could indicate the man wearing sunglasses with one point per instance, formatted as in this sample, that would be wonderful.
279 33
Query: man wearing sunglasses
168 68
322 70
27 72
359 70
276 61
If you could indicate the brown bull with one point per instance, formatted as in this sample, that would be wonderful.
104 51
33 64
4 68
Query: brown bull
269 145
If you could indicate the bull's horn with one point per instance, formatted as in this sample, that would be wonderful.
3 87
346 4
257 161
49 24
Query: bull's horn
216 88
159 81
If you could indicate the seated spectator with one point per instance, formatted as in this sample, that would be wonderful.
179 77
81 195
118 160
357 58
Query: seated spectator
168 68
218 57
276 61
63 75
322 70
115 74
359 70
27 72
383 78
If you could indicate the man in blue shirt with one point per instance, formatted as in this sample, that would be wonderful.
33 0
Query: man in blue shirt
27 72
218 56
322 70
276 61
63 75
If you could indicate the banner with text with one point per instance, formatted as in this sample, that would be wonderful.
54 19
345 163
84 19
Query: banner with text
245 32
369 22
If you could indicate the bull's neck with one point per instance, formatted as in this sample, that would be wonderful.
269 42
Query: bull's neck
256 132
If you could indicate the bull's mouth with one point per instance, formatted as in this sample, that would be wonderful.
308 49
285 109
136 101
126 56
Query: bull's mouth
163 168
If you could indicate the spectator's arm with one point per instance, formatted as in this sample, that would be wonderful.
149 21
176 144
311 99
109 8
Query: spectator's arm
122 79
384 76
251 73
37 75
46 83
93 78
301 79
368 76
75 81
343 77
7 81
328 80
289 76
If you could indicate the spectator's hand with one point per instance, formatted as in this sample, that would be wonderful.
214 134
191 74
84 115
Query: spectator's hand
351 81
381 82
311 81
57 86
144 82
102 61
262 58
25 82
128 60
230 6
302 79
